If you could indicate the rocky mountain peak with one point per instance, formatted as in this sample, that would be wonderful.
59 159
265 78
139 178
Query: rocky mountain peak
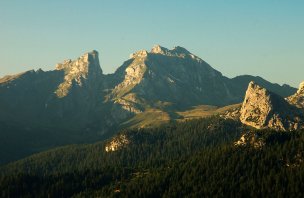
86 67
252 86
176 51
88 62
139 54
301 88
298 98
157 49
264 109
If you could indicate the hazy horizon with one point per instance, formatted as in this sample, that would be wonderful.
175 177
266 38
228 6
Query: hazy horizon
236 37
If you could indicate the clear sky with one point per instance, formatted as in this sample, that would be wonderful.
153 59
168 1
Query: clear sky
256 37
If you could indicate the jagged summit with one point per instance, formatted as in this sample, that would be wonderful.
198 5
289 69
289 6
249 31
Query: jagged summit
86 67
139 54
301 87
264 109
84 63
298 98
157 49
176 51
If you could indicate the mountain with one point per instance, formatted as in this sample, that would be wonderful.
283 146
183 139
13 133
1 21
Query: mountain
78 95
163 85
77 103
243 81
264 109
41 110
298 98
174 76
64 96
178 77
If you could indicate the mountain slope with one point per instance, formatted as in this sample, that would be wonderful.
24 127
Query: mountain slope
196 158
50 98
80 102
40 110
180 78
78 95
243 81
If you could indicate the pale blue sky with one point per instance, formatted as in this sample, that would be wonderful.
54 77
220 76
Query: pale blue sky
236 37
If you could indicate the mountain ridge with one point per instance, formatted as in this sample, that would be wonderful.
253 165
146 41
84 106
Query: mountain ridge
149 88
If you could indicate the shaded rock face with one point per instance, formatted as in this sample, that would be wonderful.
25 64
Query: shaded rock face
78 98
69 97
298 98
264 109
23 96
241 83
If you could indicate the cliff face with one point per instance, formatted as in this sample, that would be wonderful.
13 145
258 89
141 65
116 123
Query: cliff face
264 109
85 71
69 96
298 98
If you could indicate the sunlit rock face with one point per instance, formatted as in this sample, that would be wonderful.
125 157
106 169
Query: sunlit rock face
264 109
173 76
117 143
298 98
251 139
84 70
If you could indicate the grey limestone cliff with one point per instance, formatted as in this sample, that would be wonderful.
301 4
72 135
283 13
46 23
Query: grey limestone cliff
264 109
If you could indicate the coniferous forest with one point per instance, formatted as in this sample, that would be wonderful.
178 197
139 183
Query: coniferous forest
196 158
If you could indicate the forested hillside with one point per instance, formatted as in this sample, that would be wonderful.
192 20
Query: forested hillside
195 158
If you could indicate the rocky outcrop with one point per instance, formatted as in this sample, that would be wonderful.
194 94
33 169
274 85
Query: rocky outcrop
298 98
264 109
250 139
117 143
